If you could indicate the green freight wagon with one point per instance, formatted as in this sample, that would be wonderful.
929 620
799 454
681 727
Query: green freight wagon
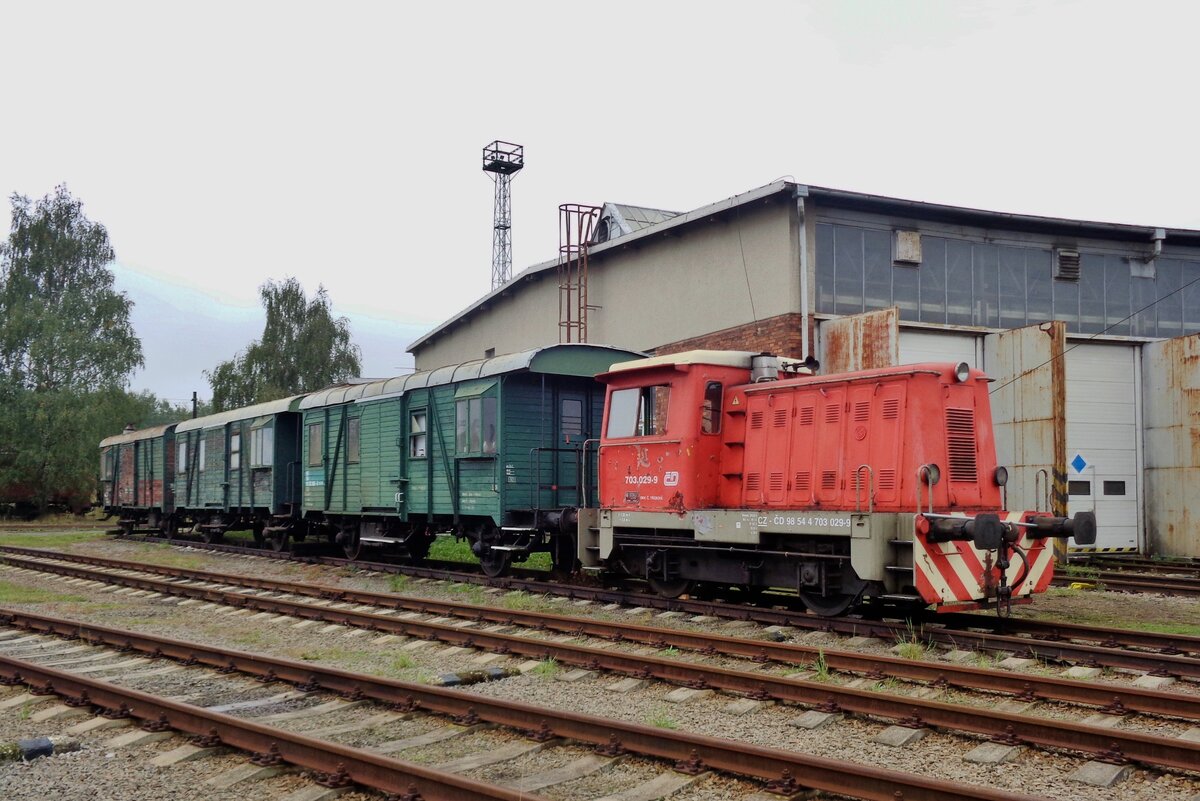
500 451
135 476
238 469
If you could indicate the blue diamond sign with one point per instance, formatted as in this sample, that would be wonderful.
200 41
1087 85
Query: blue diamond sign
1078 463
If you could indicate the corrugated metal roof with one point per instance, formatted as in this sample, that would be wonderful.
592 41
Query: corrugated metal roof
244 413
476 368
619 219
137 436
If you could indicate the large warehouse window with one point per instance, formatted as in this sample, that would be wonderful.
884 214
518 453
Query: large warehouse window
962 282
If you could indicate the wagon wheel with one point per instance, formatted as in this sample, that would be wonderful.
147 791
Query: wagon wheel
495 563
278 540
170 527
256 531
563 554
351 542
827 605
669 588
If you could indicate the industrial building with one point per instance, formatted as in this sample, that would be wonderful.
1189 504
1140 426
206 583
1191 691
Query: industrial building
1088 328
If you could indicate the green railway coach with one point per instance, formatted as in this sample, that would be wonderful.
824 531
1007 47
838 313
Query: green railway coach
498 450
135 476
238 468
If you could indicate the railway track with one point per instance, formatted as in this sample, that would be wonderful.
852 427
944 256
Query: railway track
1133 699
909 711
787 773
1127 581
1056 641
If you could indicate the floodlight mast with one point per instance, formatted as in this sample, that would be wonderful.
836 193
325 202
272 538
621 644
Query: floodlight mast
502 160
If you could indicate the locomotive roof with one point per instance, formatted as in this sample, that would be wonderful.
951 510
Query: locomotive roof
719 358
574 359
136 436
244 413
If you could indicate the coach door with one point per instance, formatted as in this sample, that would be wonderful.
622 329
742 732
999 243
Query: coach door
574 426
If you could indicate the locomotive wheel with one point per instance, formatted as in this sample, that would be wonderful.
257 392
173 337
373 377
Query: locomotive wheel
827 605
279 541
495 563
669 588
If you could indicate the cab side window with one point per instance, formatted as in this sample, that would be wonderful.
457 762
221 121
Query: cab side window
710 410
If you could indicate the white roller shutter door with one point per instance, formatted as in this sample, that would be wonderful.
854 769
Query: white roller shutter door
1102 430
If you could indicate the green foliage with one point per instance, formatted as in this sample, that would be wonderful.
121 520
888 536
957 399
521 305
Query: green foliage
660 719
303 348
821 666
547 668
67 350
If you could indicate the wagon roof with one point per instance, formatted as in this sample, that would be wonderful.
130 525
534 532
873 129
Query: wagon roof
136 436
574 359
244 413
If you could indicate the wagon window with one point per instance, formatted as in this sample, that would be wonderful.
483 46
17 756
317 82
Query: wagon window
108 465
316 447
489 425
262 446
352 439
638 411
181 457
416 435
235 450
572 417
201 452
710 412
472 422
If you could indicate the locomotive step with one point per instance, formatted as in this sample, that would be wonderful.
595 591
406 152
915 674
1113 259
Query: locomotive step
898 568
901 598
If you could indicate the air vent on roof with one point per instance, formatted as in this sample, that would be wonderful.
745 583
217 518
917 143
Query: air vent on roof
1066 264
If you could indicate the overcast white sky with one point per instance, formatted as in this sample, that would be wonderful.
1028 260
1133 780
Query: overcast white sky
224 143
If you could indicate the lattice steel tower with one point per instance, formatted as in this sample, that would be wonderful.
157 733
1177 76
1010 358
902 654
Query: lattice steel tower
502 160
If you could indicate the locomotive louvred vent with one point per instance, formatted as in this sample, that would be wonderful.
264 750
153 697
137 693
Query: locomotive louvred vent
862 411
887 479
775 483
960 444
753 482
780 418
803 481
756 419
829 479
833 413
891 408
807 414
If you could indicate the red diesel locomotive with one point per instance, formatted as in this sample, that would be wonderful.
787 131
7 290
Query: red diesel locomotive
877 487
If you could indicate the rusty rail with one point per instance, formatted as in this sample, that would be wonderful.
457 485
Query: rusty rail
1162 751
1052 646
785 768
1132 699
343 763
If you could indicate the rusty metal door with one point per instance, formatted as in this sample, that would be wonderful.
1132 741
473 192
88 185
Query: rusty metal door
860 341
1171 419
1029 401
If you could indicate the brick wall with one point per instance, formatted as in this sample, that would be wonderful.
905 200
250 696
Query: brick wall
779 335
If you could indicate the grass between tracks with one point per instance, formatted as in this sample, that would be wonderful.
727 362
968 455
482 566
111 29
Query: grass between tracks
16 594
452 550
49 539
